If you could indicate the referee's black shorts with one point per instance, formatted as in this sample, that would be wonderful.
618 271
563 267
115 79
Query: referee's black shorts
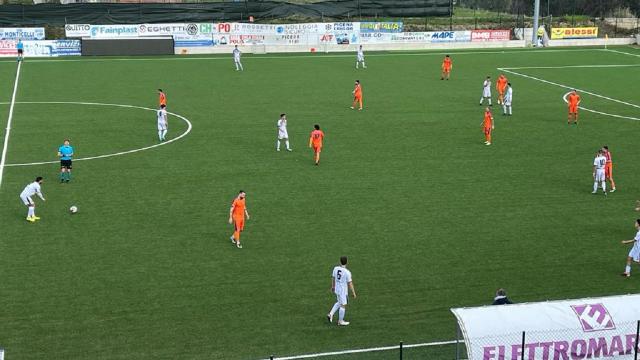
65 164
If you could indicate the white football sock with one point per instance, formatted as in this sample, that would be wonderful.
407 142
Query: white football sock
595 186
357 63
481 100
31 212
277 144
504 109
604 186
363 65
164 133
509 109
627 269
160 135
335 308
341 313
489 101
287 143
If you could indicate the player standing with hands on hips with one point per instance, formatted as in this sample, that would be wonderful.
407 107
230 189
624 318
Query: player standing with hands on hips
236 58
341 282
634 254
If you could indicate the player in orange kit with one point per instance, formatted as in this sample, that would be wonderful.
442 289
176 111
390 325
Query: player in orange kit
487 125
608 169
315 142
162 98
357 95
573 100
501 85
236 216
446 68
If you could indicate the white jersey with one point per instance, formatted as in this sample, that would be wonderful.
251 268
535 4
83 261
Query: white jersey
360 55
162 119
508 96
236 55
635 250
32 189
486 88
599 163
282 129
342 277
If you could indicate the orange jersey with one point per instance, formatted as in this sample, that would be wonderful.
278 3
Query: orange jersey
316 138
446 63
162 99
574 99
501 83
357 91
488 120
238 207
608 156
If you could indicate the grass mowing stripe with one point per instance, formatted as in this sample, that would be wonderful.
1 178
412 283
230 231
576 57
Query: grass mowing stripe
7 133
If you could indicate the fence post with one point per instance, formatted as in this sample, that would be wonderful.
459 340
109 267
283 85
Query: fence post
615 30
522 350
400 350
635 355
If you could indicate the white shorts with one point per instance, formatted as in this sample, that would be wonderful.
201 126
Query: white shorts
237 61
599 175
26 200
635 252
486 93
162 126
360 58
282 135
341 298
507 102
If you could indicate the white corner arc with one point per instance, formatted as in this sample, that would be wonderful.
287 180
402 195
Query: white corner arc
181 117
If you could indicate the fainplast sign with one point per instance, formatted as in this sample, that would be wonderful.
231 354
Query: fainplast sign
593 328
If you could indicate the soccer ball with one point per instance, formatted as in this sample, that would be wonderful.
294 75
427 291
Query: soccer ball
73 209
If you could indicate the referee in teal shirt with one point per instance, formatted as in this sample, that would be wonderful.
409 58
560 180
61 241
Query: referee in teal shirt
65 152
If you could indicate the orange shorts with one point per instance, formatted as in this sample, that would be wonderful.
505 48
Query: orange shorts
446 70
500 92
317 148
487 131
238 223
573 109
608 170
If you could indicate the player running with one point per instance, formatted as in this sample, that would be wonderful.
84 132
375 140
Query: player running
341 282
634 253
447 65
357 95
163 123
501 86
508 98
282 132
65 153
487 126
599 164
315 142
162 98
236 217
26 194
486 91
360 58
236 58
573 101
608 170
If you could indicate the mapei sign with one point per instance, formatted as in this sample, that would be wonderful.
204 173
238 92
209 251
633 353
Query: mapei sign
584 329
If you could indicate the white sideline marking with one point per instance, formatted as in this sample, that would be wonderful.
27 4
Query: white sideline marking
622 52
5 146
349 55
356 351
564 97
583 91
570 66
189 127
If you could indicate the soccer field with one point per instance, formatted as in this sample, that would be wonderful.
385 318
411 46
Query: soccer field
429 216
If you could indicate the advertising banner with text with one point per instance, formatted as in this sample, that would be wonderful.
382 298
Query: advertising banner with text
574 33
490 35
592 328
42 48
22 33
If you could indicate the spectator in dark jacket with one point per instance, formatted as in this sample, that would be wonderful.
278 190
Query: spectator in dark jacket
501 298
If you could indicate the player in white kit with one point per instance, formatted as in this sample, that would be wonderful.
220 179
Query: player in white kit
486 91
282 132
341 282
598 172
236 58
360 58
508 98
163 123
27 193
634 254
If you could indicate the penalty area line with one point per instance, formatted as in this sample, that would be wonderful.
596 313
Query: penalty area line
5 146
366 350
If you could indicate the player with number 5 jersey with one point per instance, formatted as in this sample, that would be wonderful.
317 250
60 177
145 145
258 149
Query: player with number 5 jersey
341 282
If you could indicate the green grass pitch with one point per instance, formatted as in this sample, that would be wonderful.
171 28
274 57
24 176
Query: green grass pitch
429 216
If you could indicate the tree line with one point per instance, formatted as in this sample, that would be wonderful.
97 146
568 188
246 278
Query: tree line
595 8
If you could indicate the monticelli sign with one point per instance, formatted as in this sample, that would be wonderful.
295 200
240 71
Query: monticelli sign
591 328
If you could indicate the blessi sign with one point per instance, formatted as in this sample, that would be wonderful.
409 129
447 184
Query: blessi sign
593 328
574 33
